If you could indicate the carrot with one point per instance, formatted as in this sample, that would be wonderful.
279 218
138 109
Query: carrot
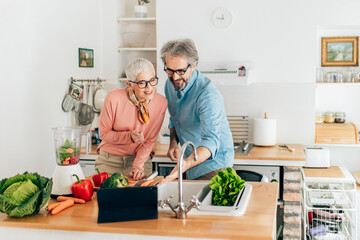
131 181
62 206
76 200
146 183
52 206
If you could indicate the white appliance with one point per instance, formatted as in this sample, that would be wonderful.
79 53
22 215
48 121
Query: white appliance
67 142
317 157
255 173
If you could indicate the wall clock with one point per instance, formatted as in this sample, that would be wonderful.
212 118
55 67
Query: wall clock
222 18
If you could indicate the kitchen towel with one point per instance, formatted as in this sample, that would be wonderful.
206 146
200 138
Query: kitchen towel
264 132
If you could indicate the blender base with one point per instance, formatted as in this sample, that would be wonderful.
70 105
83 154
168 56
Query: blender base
63 179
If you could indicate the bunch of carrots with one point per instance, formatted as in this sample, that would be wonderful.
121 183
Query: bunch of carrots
62 204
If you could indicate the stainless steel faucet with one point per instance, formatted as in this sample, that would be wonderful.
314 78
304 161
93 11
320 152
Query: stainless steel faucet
181 210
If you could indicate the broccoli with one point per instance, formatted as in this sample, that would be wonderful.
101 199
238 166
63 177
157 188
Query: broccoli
117 180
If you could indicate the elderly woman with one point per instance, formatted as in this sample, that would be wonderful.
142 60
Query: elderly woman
130 121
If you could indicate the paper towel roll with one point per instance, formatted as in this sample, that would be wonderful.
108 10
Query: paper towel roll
264 132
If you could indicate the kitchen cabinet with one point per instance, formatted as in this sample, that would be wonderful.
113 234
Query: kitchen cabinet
137 37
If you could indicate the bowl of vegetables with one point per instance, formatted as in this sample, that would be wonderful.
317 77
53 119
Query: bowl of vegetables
226 190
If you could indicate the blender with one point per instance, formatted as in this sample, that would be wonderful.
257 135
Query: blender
67 142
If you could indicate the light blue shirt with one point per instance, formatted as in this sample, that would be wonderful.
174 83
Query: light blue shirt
198 115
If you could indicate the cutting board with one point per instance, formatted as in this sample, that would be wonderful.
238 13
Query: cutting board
156 181
132 182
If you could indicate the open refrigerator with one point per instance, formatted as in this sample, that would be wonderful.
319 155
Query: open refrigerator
329 205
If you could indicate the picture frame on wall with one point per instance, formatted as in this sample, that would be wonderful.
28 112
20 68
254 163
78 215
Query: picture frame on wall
86 57
339 51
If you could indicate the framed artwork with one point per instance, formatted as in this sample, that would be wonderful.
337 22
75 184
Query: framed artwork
339 51
86 57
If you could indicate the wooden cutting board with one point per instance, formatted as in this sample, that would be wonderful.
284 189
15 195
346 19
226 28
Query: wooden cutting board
156 181
132 182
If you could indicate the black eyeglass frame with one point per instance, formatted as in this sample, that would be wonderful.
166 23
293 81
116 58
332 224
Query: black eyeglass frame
146 82
176 71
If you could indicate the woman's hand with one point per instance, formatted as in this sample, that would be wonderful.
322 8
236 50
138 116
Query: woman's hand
137 137
136 174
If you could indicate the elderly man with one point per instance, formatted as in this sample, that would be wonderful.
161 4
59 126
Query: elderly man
197 114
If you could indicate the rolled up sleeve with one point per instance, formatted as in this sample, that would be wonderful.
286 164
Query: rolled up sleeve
209 110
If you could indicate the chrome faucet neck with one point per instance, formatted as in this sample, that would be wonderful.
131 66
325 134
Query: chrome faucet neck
181 210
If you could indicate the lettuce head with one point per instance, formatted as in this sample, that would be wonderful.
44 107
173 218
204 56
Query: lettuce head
24 194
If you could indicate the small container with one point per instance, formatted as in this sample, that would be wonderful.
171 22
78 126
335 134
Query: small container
319 118
340 117
329 117
333 77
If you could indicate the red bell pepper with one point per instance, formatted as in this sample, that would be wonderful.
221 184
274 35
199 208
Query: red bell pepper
99 178
82 189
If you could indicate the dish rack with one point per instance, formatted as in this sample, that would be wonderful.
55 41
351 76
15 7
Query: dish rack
329 207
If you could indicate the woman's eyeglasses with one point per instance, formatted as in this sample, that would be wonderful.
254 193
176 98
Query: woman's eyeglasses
143 83
178 72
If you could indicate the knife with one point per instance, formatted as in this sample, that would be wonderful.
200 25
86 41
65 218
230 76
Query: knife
152 175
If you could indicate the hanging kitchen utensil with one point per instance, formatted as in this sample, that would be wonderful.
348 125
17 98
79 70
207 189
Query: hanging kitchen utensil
86 112
99 98
72 97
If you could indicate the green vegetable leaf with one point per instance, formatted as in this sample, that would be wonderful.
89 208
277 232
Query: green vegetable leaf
24 194
226 186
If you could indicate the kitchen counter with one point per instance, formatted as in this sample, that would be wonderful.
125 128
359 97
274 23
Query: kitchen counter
258 156
258 222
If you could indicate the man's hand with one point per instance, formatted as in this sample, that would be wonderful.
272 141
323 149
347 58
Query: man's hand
173 152
137 137
173 175
136 174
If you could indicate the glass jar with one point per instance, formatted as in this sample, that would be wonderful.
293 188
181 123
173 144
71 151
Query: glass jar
329 117
340 117
319 118
333 77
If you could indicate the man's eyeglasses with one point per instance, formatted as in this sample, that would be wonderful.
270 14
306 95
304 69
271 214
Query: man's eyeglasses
178 72
143 83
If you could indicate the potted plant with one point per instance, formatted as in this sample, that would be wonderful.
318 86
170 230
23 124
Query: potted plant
141 9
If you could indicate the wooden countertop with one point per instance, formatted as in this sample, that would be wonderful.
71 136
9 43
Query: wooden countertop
274 153
258 155
261 153
257 223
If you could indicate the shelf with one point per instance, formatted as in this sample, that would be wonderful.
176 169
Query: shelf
335 145
123 79
137 20
337 84
137 49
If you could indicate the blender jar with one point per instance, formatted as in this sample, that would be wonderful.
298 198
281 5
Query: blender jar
67 142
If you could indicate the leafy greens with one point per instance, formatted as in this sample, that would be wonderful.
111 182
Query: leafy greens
24 194
226 186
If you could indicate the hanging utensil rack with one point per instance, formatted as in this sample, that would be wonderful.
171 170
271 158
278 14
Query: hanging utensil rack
87 80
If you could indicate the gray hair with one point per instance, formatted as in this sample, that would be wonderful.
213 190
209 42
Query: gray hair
180 47
137 66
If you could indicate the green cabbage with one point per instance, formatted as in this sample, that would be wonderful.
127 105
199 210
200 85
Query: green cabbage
24 194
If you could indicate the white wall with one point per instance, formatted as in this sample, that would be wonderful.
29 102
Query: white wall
281 39
39 43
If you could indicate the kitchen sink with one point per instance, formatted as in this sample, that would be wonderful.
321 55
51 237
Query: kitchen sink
193 188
